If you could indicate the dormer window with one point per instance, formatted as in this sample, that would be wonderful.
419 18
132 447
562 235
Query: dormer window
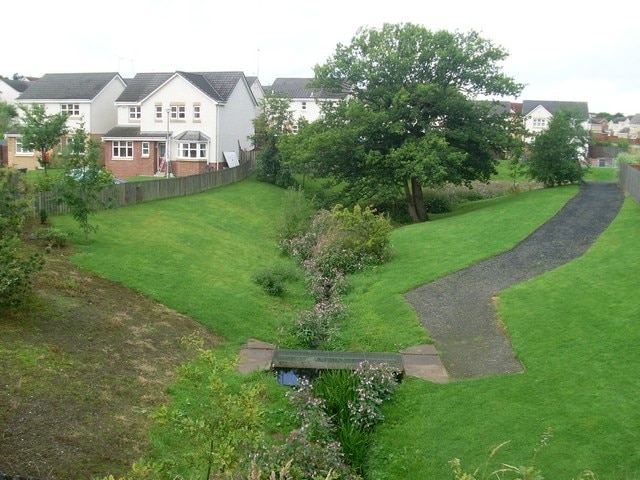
134 113
71 109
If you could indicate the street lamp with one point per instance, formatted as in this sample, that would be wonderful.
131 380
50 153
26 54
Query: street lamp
168 146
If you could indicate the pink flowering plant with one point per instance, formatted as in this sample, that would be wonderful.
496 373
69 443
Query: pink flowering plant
376 383
310 451
312 328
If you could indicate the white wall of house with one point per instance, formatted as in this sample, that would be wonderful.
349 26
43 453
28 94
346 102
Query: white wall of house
7 93
306 108
103 114
236 121
83 112
177 91
537 119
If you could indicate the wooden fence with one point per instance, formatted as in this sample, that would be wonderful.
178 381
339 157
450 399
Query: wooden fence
132 193
629 177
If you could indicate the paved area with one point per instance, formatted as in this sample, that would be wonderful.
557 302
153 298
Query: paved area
458 310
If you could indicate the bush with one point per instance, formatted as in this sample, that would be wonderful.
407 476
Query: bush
54 237
16 271
271 282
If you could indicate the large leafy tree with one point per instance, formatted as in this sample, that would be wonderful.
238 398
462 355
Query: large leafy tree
273 123
40 131
411 118
558 152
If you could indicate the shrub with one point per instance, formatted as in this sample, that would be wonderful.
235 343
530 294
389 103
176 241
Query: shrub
17 269
312 328
54 237
271 282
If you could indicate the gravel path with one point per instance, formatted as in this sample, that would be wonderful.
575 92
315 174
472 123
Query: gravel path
458 311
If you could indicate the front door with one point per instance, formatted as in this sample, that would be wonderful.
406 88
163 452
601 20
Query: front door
162 157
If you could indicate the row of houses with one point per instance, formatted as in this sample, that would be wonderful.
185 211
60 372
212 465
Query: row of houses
180 123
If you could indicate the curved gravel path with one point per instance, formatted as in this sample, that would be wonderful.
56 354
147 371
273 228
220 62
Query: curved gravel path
458 311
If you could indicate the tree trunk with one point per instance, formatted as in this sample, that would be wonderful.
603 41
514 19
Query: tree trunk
415 201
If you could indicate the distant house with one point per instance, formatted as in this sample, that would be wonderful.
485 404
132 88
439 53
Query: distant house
538 113
88 98
181 123
11 89
617 124
305 100
598 125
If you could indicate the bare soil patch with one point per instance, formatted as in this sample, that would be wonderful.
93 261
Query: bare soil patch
82 364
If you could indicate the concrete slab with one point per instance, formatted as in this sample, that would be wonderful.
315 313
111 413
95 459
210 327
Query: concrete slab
255 355
420 361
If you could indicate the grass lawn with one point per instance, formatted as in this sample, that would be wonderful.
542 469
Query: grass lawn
572 328
575 330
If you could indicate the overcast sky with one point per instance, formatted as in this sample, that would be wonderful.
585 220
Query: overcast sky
562 50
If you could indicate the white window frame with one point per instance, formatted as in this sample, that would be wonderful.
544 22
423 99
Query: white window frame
303 106
192 150
539 123
159 112
73 109
178 112
145 150
196 112
120 146
20 150
135 112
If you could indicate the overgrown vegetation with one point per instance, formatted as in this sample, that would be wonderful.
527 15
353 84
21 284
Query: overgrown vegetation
17 265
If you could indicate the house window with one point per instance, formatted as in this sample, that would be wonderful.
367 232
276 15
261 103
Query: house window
145 149
178 112
134 113
196 111
20 150
72 109
539 122
193 150
158 111
294 128
122 149
304 105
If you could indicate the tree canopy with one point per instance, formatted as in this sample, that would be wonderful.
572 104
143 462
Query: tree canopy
557 152
40 131
411 118
8 114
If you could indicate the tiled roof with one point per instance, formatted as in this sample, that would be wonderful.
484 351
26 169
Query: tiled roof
68 86
192 136
299 88
635 120
131 132
216 85
17 85
553 106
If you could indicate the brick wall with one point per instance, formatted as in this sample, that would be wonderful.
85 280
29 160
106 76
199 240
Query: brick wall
138 166
187 167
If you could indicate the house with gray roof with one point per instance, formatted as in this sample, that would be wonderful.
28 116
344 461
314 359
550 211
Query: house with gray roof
180 123
10 89
538 113
306 101
87 98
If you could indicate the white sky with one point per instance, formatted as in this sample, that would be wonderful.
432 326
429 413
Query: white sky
562 50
